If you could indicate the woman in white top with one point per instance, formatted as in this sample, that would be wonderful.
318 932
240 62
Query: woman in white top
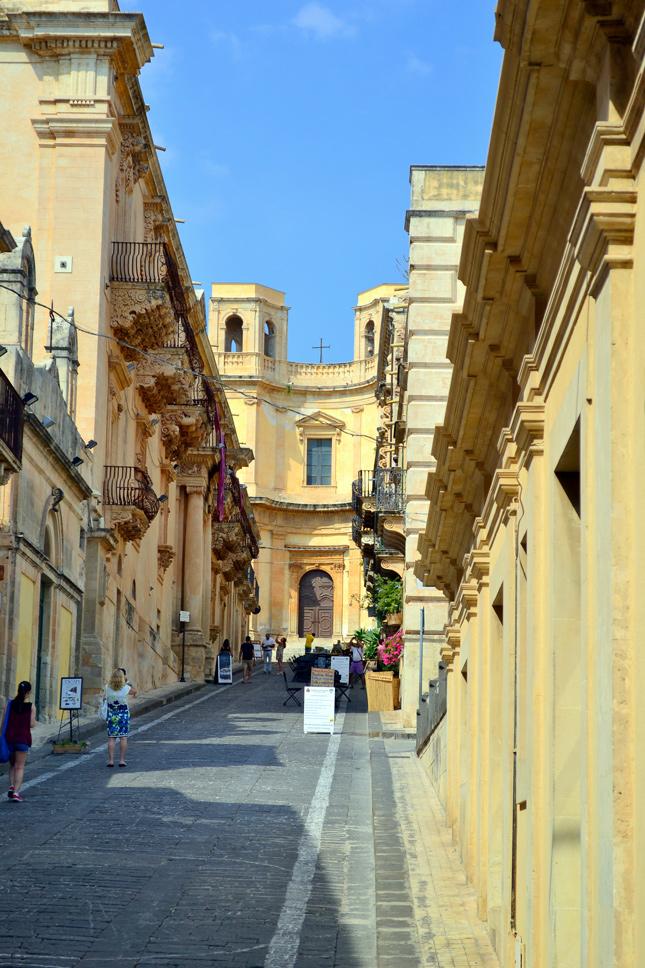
118 718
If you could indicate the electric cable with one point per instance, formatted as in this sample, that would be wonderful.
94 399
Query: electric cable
183 369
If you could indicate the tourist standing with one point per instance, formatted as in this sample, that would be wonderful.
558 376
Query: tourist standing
309 639
356 666
279 652
246 655
267 652
118 718
21 718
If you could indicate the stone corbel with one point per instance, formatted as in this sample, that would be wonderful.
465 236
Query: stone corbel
603 230
140 315
165 555
162 383
130 523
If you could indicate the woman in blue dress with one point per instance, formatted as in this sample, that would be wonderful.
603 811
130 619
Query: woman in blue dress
118 718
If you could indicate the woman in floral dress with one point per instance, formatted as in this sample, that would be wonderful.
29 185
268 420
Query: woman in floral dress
118 718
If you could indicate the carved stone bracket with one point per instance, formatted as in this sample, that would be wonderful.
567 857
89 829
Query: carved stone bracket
130 523
131 164
140 315
165 555
162 384
183 428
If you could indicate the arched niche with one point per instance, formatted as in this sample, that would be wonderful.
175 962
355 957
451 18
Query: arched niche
234 338
269 339
369 338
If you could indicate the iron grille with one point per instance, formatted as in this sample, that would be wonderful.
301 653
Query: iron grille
12 416
130 487
390 495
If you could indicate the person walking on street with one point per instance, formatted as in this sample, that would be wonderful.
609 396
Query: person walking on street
309 639
246 656
356 666
21 718
118 719
279 652
267 652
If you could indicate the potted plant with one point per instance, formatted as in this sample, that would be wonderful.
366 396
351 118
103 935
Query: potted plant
369 639
386 597
69 745
383 693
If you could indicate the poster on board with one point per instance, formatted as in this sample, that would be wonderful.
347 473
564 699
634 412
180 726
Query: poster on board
257 651
71 693
319 709
225 668
341 664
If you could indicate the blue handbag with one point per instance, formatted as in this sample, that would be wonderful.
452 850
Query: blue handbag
5 752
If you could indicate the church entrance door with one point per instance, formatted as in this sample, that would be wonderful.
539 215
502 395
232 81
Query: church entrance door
316 605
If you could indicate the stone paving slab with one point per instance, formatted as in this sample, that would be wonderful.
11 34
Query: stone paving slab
187 857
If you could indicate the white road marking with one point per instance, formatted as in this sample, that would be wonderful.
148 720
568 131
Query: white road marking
286 940
85 757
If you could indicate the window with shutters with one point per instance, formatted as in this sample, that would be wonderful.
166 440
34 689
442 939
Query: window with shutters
319 461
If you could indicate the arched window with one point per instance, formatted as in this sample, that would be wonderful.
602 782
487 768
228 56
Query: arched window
269 339
369 338
234 342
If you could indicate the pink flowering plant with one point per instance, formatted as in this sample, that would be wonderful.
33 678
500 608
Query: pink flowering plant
390 651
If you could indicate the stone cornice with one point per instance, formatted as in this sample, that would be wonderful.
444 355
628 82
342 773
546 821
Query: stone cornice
120 35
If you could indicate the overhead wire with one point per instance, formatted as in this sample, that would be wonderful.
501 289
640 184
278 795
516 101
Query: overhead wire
183 369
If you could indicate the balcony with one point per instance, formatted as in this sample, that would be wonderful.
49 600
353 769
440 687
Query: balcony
357 529
12 419
128 490
143 279
364 496
390 492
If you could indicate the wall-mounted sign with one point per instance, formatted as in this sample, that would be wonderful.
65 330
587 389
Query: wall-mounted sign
184 616
71 693
319 709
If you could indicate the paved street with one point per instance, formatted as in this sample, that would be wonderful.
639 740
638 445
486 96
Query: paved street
233 839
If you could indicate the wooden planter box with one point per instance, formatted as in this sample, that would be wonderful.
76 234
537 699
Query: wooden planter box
68 748
394 618
382 691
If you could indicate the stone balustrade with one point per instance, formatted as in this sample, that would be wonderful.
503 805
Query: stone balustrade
297 374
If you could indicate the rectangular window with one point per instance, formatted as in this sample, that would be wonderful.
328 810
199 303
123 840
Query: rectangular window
319 460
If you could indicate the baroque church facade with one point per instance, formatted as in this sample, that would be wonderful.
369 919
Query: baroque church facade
311 426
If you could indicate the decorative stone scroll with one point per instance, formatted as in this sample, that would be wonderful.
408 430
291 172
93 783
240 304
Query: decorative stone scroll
130 523
183 428
160 383
141 316
165 555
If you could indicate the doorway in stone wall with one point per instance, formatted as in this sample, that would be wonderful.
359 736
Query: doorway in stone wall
316 605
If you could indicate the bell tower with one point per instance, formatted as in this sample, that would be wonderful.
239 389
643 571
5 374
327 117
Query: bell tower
248 318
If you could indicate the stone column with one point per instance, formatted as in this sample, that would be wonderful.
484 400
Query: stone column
194 557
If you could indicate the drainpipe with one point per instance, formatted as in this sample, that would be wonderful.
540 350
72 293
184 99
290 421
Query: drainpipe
515 704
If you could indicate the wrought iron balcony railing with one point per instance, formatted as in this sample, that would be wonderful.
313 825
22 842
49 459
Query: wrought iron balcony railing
357 528
390 490
252 580
237 513
12 417
129 487
362 487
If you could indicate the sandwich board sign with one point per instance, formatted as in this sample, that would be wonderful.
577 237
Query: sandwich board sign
71 693
225 667
341 663
319 709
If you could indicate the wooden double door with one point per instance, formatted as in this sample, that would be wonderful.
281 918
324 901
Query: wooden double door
316 605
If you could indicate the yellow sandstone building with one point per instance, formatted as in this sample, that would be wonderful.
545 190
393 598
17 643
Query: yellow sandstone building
535 525
311 426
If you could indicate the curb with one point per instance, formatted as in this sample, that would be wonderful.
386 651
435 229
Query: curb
93 726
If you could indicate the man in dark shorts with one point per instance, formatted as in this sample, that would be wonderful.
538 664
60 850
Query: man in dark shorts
246 655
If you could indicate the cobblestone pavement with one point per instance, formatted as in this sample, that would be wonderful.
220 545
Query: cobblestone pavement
231 839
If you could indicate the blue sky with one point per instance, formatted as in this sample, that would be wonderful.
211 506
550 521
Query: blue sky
290 127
